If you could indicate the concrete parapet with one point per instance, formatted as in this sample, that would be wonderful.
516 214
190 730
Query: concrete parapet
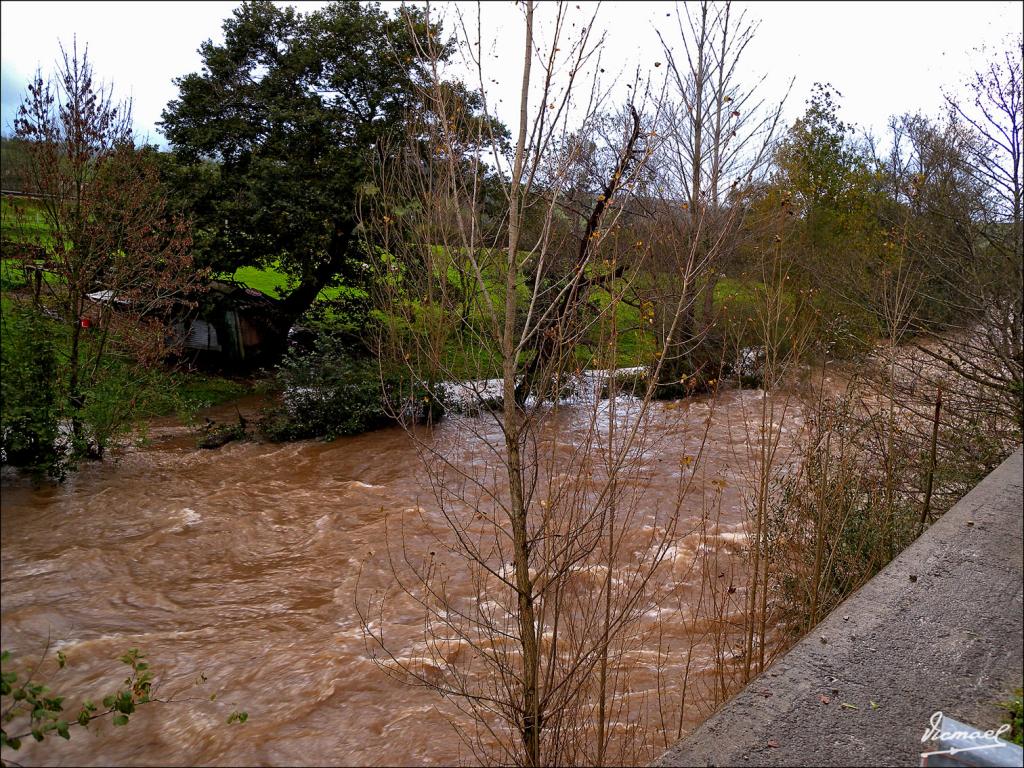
938 629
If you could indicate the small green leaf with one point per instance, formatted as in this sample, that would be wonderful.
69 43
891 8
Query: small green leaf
62 729
37 734
62 660
56 704
14 743
120 719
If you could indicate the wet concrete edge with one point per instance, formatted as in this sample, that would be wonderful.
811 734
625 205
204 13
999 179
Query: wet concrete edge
939 628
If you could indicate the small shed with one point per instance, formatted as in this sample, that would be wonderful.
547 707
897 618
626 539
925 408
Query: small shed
227 326
231 326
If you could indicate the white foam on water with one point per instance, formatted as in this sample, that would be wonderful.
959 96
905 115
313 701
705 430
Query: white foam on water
734 537
365 486
191 517
184 518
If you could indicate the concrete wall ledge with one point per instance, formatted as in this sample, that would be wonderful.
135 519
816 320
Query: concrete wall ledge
940 628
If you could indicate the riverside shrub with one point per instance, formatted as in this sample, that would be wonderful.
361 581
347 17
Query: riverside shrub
29 407
326 392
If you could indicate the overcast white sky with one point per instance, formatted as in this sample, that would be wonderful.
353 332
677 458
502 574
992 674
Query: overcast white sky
885 58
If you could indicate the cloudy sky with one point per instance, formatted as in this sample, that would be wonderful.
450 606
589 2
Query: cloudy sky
885 58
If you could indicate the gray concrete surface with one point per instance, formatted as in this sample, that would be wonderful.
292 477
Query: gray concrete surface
948 639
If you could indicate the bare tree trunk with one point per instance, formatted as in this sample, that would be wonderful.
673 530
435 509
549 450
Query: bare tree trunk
532 717
926 508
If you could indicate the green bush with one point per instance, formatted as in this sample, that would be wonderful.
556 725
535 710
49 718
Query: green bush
329 391
118 393
1015 717
29 403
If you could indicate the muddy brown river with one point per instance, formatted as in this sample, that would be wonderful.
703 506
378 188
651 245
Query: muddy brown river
235 572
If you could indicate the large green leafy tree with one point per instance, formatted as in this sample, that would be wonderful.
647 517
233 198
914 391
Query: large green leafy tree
833 196
823 172
281 128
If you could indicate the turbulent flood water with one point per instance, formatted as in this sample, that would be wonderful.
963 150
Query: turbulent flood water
237 569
